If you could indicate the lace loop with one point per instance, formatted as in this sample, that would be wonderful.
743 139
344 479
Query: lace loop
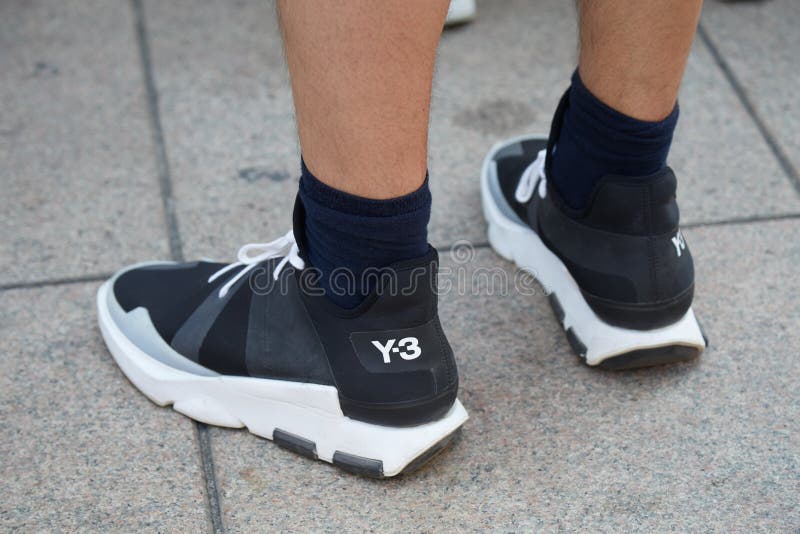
530 177
252 254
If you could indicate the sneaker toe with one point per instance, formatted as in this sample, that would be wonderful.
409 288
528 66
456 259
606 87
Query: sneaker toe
169 291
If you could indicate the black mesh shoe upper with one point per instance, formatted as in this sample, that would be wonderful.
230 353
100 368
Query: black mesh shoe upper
285 330
169 292
625 250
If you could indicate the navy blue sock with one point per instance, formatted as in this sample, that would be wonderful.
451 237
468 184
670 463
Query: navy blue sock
596 140
347 234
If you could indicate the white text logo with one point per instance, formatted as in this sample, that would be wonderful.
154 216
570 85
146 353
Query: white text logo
679 243
409 345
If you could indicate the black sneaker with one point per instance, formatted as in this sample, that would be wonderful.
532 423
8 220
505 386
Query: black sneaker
256 344
619 274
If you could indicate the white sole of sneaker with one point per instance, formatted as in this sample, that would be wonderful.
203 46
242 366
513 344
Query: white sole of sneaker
305 418
591 337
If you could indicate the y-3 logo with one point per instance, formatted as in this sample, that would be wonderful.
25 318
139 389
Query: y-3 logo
679 243
409 345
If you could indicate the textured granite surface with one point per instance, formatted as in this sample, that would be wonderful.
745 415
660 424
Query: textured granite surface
79 189
551 444
81 449
759 42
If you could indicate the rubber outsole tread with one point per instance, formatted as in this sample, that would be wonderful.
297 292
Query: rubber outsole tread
294 443
577 345
638 359
359 465
556 306
431 453
635 359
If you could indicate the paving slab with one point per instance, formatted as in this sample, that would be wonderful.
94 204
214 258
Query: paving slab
760 41
228 119
227 115
552 444
80 191
80 448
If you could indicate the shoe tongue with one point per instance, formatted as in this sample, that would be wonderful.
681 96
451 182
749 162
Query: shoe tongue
662 184
555 131
429 259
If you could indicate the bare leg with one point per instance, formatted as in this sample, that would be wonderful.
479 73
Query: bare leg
633 54
361 76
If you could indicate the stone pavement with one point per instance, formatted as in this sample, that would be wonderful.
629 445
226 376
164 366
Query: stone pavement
143 129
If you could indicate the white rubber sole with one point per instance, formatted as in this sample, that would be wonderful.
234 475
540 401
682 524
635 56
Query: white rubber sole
600 341
306 418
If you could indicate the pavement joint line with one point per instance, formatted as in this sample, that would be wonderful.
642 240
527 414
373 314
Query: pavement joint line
207 461
741 93
699 224
175 244
157 132
743 220
34 284
445 248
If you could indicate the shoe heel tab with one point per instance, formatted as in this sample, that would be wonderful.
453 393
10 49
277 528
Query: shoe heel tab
429 260
643 205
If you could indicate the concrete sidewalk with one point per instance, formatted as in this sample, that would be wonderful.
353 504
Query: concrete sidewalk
143 130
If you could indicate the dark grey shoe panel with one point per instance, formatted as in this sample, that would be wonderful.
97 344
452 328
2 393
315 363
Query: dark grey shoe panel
190 336
223 347
281 340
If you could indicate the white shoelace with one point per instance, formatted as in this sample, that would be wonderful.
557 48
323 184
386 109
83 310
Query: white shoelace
534 173
254 253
